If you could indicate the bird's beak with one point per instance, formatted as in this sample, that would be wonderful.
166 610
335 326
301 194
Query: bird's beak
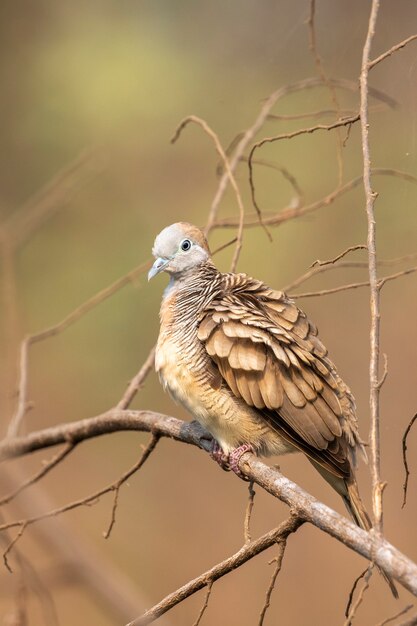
159 265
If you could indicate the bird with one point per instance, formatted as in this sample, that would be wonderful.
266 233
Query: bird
248 365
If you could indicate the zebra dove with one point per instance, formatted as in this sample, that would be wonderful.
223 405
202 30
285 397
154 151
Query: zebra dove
247 363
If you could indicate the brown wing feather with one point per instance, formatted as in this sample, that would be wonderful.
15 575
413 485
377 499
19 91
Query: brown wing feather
269 355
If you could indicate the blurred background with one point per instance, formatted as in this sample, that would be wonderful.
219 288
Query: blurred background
91 94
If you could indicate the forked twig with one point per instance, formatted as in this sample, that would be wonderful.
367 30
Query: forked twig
365 283
88 500
243 555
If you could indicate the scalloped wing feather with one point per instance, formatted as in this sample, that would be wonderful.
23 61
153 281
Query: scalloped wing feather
269 355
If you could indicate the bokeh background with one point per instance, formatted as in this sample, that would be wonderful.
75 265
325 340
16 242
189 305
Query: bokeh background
91 94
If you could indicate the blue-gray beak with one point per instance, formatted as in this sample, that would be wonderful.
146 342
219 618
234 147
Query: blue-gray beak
159 266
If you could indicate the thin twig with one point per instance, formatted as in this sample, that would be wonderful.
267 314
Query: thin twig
352 591
388 53
10 546
299 194
325 268
246 137
405 462
137 381
205 605
370 196
91 499
224 246
243 555
396 616
51 331
301 131
145 455
367 576
339 256
310 115
366 283
290 212
409 622
56 459
209 131
248 514
320 68
278 564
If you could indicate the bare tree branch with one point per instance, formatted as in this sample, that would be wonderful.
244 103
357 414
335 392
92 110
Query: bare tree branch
370 196
290 212
246 553
365 283
388 53
81 563
22 524
374 548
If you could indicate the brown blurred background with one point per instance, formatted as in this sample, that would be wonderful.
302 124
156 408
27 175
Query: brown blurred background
94 90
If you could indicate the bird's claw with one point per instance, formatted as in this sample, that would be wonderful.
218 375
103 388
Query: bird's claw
234 459
219 456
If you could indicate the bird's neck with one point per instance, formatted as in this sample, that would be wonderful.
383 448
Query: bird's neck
188 293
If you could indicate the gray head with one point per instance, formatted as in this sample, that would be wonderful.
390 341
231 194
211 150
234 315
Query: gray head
179 248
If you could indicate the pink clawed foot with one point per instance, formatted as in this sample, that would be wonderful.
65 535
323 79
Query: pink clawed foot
236 455
219 456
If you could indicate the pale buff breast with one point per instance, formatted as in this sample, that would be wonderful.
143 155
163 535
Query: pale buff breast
184 373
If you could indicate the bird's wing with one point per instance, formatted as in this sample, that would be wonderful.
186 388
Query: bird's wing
268 353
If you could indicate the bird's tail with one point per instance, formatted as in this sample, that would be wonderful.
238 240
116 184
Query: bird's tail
357 510
348 489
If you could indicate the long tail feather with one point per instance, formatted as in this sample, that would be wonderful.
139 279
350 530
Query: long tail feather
360 516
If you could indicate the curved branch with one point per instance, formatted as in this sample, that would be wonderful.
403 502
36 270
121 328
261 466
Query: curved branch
373 547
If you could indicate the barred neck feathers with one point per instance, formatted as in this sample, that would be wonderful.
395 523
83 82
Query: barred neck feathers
187 294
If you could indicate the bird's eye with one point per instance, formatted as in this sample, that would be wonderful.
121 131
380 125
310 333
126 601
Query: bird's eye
185 245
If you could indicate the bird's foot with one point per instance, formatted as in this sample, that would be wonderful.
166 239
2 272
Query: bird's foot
219 456
235 456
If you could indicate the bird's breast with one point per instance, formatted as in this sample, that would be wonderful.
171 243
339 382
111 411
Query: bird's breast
178 367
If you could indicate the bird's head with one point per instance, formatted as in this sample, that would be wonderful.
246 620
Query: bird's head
179 248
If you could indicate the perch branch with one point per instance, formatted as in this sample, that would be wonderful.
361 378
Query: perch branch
374 548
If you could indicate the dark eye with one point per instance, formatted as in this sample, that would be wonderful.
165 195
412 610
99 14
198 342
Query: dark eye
185 245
